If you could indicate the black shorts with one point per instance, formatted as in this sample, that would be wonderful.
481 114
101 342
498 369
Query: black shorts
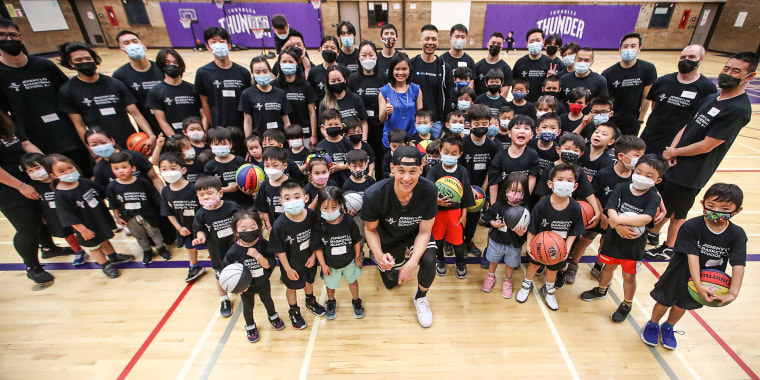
672 287
678 199
305 275
399 252
555 267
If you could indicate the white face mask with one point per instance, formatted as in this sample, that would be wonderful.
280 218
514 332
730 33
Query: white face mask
540 113
504 124
274 174
369 64
295 143
563 189
39 175
458 43
640 182
189 154
196 135
171 176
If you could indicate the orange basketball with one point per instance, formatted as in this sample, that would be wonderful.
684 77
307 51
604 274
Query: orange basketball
588 212
548 248
138 142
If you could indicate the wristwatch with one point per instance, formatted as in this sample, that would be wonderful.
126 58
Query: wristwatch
641 122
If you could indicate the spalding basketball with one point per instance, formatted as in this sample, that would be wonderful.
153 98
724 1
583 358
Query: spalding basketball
714 281
587 211
354 201
517 216
422 146
138 142
480 199
235 278
449 186
548 248
249 177
639 229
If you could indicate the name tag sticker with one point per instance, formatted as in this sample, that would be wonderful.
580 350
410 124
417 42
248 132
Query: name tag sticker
177 126
713 112
188 213
49 118
93 203
338 251
132 206
279 209
258 272
305 130
304 246
228 93
371 113
272 125
461 64
51 204
224 233
108 111
688 94
480 166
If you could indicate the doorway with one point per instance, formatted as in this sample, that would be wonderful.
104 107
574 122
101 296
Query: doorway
89 22
705 24
349 11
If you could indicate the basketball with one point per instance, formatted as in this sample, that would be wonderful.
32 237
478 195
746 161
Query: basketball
714 281
354 201
422 146
639 229
249 177
319 154
587 211
138 142
235 278
517 216
480 199
449 186
548 248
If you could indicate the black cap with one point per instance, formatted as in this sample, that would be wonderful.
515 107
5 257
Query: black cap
407 151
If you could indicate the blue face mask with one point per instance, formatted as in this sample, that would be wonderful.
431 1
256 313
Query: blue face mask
347 41
456 128
220 150
220 50
547 136
432 161
262 80
447 160
330 216
71 177
105 150
294 207
423 129
535 48
463 105
288 68
628 54
462 84
519 95
601 118
493 130
135 51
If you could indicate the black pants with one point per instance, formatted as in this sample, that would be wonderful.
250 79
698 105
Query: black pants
425 275
469 228
375 140
265 295
27 220
46 240
458 252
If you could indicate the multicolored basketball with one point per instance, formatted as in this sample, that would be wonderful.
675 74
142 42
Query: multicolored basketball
354 201
548 248
517 216
322 154
639 229
480 199
249 177
587 211
451 187
235 278
138 142
422 146
714 281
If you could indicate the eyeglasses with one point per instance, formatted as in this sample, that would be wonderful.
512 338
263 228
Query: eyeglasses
12 35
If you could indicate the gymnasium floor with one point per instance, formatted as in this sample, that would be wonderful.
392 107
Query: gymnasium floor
149 324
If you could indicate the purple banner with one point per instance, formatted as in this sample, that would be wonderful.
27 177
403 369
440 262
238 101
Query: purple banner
240 19
597 26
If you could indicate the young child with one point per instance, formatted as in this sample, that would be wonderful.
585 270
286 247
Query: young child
598 150
254 148
396 138
552 89
621 245
452 216
455 122
296 149
505 245
268 198
179 204
358 182
432 156
462 77
319 178
423 120
601 110
237 139
560 213
192 127
545 104
212 226
225 165
250 249
576 102
335 144
545 141
341 255
295 238
102 145
519 104
709 241
136 205
518 157
492 98
80 206
354 135
465 98
506 114
182 145
275 138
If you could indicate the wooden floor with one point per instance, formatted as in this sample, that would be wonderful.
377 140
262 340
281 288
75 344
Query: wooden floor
148 324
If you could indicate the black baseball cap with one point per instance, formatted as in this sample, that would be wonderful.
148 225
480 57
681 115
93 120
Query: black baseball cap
407 151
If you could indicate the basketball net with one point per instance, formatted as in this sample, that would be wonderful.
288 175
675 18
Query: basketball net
185 22
316 3
219 3
257 32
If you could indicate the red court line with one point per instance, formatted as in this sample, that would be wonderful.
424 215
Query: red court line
721 342
159 326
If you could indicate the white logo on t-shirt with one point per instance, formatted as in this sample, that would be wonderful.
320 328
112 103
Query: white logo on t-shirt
14 86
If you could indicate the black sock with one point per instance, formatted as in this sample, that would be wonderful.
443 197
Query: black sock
598 266
420 293
310 297
112 256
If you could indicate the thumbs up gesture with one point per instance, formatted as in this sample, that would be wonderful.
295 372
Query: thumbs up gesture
388 106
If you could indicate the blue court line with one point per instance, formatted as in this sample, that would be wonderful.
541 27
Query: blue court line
222 342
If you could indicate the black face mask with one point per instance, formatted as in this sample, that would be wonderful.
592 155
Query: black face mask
248 236
12 47
337 88
360 174
479 131
86 68
686 66
333 131
355 139
494 50
298 51
329 56
494 88
555 94
551 50
173 71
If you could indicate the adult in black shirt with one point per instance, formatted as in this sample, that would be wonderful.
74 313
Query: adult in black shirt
433 76
366 83
534 66
456 57
349 54
493 61
389 35
338 97
282 31
264 106
675 97
299 93
318 74
173 99
583 76
139 75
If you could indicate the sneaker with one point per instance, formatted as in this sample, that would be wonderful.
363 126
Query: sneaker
596 271
276 322
55 251
165 254
39 275
549 298
295 318
252 334
661 253
541 270
194 272
448 250
474 250
653 238
488 283
315 307
524 292
147 257
424 315
109 270
593 294
650 334
127 232
330 307
668 337
570 273
560 279
621 313
358 308
80 258
226 308
461 271
440 267
506 289
121 258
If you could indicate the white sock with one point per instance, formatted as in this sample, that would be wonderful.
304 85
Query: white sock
492 274
225 297
549 285
528 282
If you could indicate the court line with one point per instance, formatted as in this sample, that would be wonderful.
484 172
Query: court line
198 346
155 332
715 335
222 342
749 147
312 339
737 170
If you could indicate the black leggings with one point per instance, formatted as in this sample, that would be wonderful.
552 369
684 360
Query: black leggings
425 275
458 252
265 295
472 224
27 220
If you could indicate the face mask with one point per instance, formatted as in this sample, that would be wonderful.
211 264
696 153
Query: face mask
288 68
727 81
432 161
210 204
39 174
262 80
456 128
540 113
12 47
189 154
220 50
575 108
551 50
337 88
535 48
582 67
248 236
360 175
173 71
171 176
463 105
568 60
492 130
293 207
461 84
369 64
632 165
563 189
105 150
295 143
389 42
628 54
686 66
547 136
86 68
355 139
320 180
518 95
494 88
330 216
640 182
458 43
555 94
333 131
716 216
601 118
196 135
479 131
447 160
70 178
283 36
347 41
298 51
494 50
220 150
329 56
504 124
569 157
135 51
274 174
514 196
423 129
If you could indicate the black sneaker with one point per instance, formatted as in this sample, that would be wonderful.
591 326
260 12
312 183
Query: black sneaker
295 318
252 334
661 253
55 251
109 270
440 267
461 271
276 322
314 306
474 250
621 313
165 254
121 258
560 281
147 257
653 238
448 250
358 308
194 272
541 270
593 294
331 306
39 275
226 308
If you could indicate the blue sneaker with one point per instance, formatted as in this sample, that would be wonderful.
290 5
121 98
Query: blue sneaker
650 334
668 337
80 258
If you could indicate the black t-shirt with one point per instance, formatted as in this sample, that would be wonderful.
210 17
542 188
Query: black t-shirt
298 158
194 171
30 94
546 158
49 211
349 61
10 161
721 120
493 104
103 175
298 240
350 105
673 104
223 87
384 62
527 109
182 204
502 141
503 164
260 275
430 78
605 181
318 79
464 61
313 191
101 104
301 96
565 222
534 71
266 108
592 82
337 151
268 201
626 86
583 190
498 212
226 173
177 102
460 172
623 200
482 68
84 205
139 83
477 158
368 88
591 167
568 126
339 241
715 251
355 187
138 198
217 225
399 225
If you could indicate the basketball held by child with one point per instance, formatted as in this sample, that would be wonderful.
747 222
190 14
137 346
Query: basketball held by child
249 177
587 211
639 229
235 278
422 146
517 216
480 199
548 248
714 281
139 142
354 201
451 187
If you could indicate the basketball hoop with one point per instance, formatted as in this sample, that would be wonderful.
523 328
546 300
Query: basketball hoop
257 32
219 3
185 22
316 3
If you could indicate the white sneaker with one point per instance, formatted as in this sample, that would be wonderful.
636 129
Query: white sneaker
424 315
549 298
524 292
